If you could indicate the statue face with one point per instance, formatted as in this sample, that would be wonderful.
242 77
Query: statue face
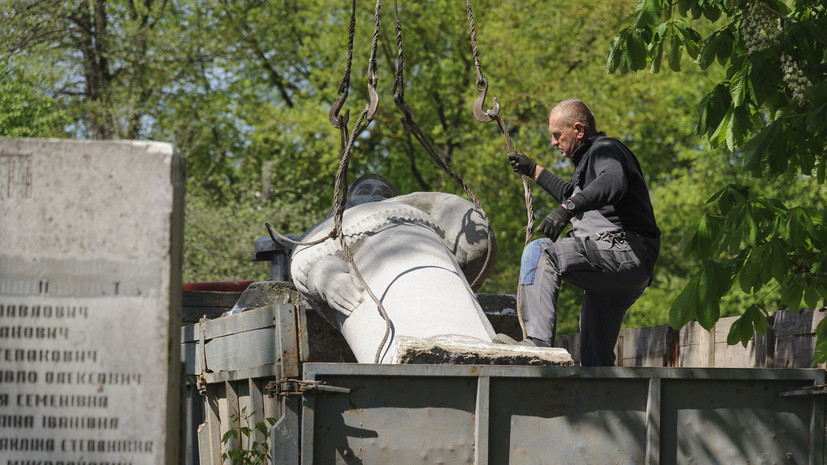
370 190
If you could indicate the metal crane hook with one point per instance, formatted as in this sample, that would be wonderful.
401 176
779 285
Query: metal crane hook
485 116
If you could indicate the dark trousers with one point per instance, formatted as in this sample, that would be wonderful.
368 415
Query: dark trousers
612 271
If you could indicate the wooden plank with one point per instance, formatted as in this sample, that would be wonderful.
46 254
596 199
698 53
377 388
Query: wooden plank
763 343
264 371
673 340
769 361
193 417
233 403
236 324
795 337
643 347
619 355
242 350
737 356
794 351
209 434
228 415
191 356
190 333
246 413
205 456
256 406
694 346
798 323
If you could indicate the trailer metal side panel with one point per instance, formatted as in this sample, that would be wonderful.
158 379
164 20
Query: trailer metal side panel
452 414
726 421
258 362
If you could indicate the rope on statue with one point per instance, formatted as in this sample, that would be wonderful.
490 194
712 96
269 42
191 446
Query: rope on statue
340 189
410 125
493 114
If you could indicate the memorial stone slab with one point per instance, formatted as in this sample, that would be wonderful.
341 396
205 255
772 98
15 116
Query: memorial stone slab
91 237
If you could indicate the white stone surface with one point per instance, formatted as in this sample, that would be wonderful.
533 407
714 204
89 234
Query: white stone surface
407 248
90 275
462 350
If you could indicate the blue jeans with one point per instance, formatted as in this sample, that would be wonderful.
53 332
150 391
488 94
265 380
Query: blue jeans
612 272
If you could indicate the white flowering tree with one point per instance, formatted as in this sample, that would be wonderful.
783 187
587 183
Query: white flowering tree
771 114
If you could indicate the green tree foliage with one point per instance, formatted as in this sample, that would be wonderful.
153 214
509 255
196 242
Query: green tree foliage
770 113
107 60
243 88
25 113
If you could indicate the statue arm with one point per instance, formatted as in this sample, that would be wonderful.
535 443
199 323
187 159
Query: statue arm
331 280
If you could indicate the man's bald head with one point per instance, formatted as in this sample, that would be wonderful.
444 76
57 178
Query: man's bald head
572 111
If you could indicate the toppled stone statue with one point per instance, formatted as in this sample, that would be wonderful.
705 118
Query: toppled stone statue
417 252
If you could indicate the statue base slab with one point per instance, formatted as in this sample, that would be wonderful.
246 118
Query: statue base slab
462 350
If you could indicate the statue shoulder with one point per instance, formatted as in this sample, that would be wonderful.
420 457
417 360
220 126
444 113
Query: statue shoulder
436 204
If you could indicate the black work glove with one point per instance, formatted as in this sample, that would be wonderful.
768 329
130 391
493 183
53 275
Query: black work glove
554 223
521 164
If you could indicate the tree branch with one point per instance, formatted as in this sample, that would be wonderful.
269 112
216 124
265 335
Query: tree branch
777 13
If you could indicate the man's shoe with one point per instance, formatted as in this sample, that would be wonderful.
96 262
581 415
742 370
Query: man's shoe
501 338
534 342
529 341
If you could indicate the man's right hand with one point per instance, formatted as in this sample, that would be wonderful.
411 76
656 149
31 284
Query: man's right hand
522 164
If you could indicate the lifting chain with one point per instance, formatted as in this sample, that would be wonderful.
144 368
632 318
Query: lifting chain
339 121
493 114
340 188
410 125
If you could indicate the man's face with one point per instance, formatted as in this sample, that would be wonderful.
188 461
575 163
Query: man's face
566 137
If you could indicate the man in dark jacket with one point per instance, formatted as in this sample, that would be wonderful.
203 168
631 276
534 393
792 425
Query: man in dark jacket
611 250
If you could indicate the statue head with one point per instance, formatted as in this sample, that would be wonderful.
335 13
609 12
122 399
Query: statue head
369 188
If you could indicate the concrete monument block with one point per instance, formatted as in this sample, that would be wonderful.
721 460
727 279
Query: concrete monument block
91 240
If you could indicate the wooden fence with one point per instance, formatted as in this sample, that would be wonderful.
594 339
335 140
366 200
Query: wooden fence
789 343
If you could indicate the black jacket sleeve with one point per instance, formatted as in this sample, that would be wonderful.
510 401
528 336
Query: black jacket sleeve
558 187
610 179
